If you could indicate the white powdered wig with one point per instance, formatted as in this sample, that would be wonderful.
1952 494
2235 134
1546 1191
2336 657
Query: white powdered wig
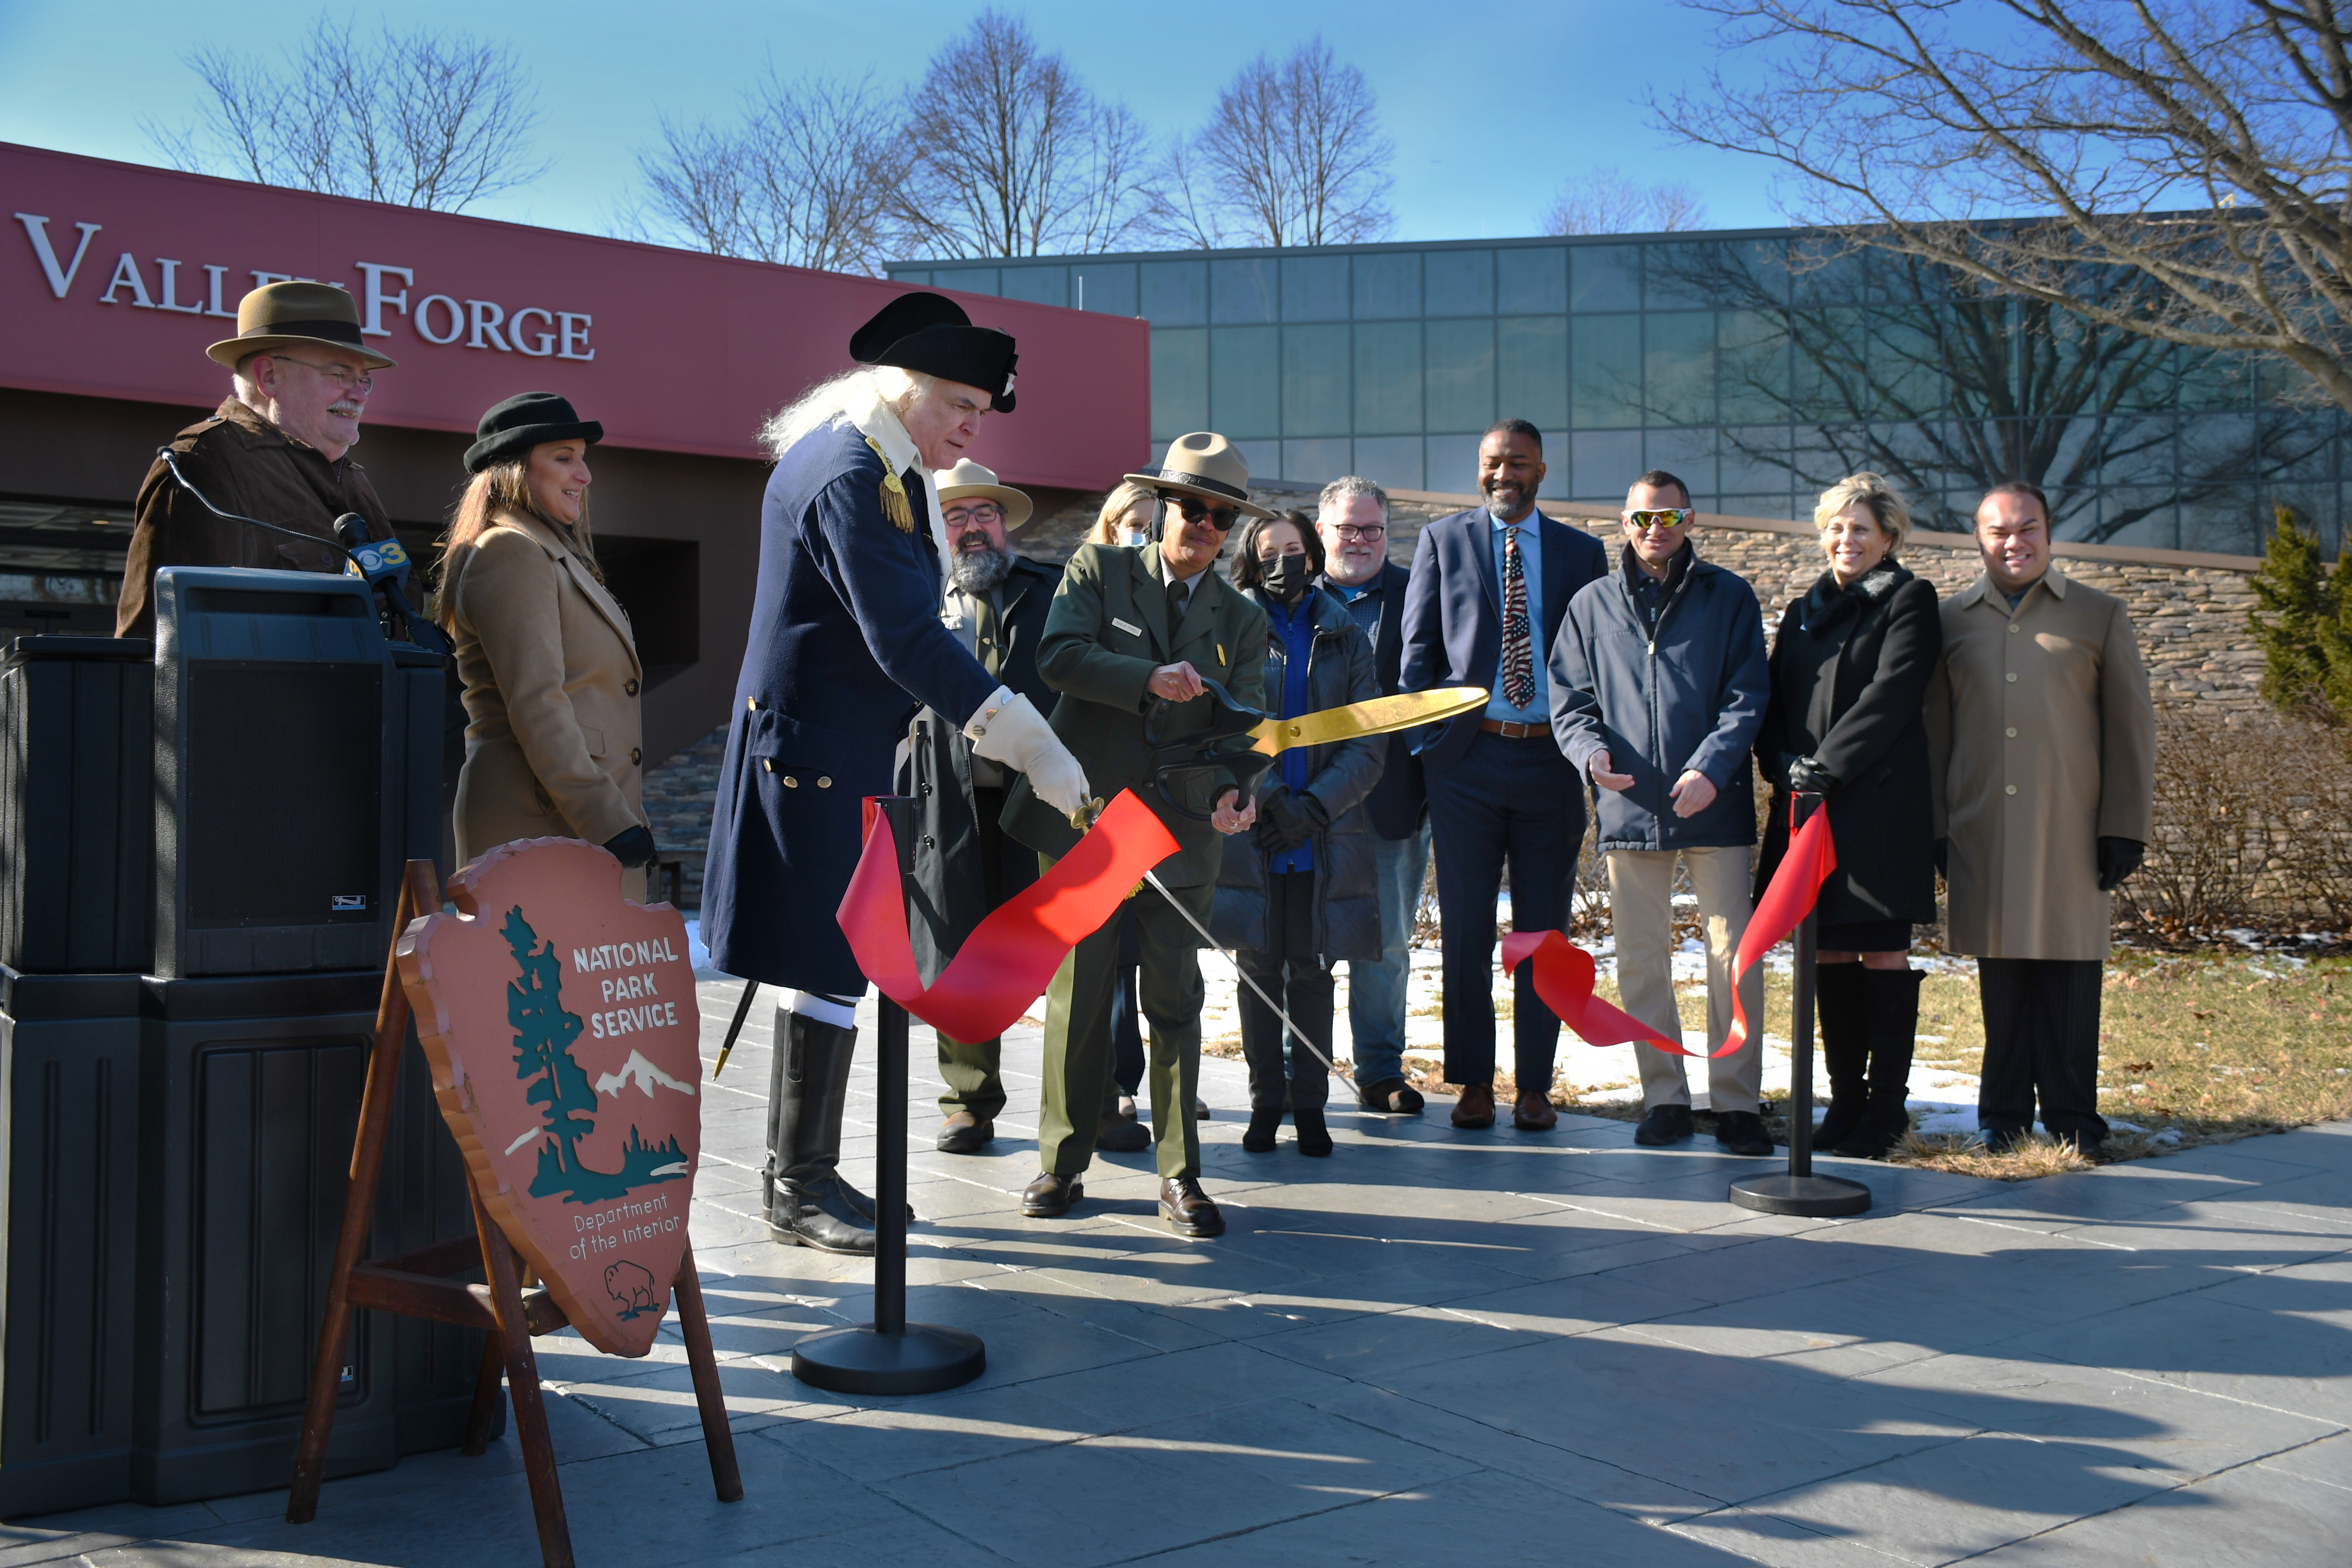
840 398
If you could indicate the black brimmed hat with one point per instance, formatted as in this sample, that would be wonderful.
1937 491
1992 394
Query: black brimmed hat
276 315
929 332
526 420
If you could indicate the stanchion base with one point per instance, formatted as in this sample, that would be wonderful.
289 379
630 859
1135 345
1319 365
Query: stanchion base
1815 1197
924 1359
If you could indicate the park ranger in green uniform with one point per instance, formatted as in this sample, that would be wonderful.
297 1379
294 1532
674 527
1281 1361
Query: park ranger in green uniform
1129 627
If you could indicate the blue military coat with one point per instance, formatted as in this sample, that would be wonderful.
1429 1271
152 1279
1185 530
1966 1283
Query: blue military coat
845 644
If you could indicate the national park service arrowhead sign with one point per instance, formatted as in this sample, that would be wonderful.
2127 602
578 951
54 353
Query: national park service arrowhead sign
560 1021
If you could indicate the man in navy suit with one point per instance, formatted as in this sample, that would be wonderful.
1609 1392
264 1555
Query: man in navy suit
1486 598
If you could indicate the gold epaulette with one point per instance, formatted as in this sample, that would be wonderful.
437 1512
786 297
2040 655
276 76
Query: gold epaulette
894 493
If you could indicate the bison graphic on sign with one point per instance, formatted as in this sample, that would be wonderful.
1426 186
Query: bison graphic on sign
560 1020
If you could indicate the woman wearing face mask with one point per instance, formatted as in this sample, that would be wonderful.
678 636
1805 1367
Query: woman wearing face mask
1125 517
549 663
1302 893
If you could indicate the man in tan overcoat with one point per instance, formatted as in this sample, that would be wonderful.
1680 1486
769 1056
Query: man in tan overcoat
2042 738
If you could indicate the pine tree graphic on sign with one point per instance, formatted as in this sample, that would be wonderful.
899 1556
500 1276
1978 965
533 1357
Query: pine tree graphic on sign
543 1037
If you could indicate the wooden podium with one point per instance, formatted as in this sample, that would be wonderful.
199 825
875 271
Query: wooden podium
425 1284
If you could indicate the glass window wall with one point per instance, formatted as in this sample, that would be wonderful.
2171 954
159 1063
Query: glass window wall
1758 366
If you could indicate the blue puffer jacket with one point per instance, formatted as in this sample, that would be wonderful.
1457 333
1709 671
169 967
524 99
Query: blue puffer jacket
1692 698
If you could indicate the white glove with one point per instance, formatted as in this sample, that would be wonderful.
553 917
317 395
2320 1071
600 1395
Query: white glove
1008 729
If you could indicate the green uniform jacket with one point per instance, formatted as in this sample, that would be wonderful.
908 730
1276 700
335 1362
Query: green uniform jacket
1105 634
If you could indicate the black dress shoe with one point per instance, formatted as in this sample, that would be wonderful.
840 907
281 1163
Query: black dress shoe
1665 1125
1120 1137
1742 1132
1187 1208
966 1134
1199 1108
1050 1196
1314 1138
1258 1137
1389 1097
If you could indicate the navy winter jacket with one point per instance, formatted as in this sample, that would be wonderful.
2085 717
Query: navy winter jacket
1692 697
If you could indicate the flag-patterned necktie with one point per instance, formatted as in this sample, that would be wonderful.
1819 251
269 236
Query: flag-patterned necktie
1518 648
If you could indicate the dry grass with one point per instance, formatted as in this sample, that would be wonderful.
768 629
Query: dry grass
2204 1048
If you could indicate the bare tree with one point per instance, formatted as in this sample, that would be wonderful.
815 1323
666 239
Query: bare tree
422 118
1010 156
802 179
1293 155
1606 202
2204 145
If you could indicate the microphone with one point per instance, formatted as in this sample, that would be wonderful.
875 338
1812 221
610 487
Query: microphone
384 564
171 461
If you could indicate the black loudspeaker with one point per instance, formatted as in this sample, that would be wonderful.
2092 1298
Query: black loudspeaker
286 735
76 805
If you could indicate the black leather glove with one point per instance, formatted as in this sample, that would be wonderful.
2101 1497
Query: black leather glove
632 849
1311 806
1281 825
1809 778
2119 859
1944 858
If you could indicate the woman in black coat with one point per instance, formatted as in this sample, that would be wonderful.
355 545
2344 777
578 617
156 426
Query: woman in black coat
1301 893
1850 673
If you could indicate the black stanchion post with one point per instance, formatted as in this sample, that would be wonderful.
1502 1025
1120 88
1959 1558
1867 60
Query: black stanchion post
890 1356
1797 1190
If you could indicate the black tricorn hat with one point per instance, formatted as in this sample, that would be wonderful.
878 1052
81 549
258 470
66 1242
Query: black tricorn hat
929 332
523 421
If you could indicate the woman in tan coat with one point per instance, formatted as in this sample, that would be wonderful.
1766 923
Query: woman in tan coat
553 742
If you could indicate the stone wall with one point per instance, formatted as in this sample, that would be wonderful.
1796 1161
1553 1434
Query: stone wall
2191 611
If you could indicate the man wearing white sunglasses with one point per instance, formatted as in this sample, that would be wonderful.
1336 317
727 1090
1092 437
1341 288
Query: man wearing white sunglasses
1658 686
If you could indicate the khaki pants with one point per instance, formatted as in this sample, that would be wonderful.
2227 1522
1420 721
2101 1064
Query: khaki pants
1641 905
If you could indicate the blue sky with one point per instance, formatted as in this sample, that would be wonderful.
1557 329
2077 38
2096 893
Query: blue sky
1490 114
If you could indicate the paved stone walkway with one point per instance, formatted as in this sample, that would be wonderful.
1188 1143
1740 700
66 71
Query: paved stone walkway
1441 1347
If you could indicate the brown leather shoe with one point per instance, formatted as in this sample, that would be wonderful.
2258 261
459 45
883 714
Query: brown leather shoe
1533 1114
1050 1196
1476 1109
1187 1208
964 1133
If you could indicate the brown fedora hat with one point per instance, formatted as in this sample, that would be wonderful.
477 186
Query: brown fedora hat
969 479
280 315
1204 463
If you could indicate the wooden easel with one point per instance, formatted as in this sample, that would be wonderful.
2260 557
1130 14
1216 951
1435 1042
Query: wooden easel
423 1284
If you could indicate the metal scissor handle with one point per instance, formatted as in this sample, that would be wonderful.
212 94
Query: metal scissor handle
1180 760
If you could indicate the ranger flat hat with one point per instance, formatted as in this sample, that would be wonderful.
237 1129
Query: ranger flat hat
929 332
1204 463
279 315
526 420
968 478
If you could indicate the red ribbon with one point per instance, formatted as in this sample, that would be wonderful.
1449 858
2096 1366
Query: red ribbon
1796 887
1010 958
1563 976
1564 973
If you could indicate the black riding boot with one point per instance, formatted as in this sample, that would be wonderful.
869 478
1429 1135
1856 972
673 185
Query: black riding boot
808 1203
1891 1001
1845 1049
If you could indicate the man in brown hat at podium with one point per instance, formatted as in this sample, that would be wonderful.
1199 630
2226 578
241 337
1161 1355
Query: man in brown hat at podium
277 448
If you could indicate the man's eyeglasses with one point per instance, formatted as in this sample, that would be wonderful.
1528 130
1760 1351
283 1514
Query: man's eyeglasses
1349 530
362 383
1662 518
979 516
1193 509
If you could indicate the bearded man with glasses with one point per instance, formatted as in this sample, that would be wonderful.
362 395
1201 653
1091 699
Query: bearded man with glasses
1658 687
278 448
996 605
1131 628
